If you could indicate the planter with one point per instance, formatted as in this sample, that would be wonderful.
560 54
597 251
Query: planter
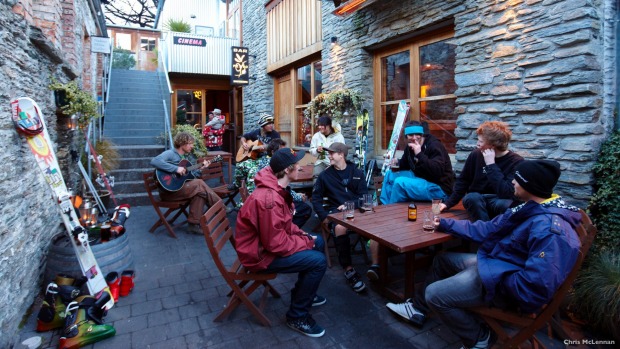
104 195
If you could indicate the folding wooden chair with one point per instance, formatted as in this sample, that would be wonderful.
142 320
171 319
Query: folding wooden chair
529 324
214 176
219 234
150 184
243 191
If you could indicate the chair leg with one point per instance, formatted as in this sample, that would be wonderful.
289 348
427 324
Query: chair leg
241 296
326 236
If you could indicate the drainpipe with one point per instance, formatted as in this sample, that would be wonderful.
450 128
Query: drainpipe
95 9
160 7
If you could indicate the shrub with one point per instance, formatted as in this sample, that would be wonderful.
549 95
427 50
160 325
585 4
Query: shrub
178 25
123 59
200 149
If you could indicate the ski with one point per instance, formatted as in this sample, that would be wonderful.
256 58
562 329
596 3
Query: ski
361 140
29 121
401 118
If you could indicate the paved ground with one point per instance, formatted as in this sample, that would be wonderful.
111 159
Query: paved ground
179 291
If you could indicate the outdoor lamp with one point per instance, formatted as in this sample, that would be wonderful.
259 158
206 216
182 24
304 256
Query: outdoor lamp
73 122
334 40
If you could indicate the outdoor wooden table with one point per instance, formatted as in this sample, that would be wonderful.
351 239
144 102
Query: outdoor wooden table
388 225
304 174
226 156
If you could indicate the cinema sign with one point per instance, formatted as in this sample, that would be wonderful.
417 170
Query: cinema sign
182 40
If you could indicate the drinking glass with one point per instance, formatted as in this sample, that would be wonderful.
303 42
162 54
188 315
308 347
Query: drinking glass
436 207
349 210
368 202
428 223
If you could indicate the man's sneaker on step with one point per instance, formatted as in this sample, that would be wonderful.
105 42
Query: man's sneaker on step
408 312
354 280
373 273
485 341
306 325
318 300
194 228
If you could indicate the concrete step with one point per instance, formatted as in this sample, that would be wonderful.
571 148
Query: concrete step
127 163
135 108
129 187
136 199
132 132
139 151
134 140
132 174
138 100
134 120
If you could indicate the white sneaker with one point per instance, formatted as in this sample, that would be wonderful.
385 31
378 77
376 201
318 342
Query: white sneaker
482 343
407 311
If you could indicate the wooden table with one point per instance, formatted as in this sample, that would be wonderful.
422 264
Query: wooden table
388 225
226 156
304 174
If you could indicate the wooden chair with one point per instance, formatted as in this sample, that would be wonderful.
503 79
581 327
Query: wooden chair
151 186
214 173
377 183
219 235
243 191
529 324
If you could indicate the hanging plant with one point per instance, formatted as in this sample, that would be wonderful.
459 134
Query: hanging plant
76 101
335 104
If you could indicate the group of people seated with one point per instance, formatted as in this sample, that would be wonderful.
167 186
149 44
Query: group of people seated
526 234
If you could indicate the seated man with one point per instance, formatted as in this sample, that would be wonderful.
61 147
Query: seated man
196 189
327 134
485 181
267 240
524 256
264 134
425 170
340 182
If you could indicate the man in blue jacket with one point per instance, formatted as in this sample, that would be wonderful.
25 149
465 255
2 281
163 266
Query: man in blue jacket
524 256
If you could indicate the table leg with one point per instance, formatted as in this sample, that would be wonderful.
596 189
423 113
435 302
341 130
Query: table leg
409 274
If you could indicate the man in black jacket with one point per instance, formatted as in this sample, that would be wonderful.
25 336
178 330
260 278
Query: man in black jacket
340 182
424 171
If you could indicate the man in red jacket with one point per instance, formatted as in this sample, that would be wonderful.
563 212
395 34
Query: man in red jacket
267 240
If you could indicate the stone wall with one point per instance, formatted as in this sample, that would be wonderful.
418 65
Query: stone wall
29 56
547 68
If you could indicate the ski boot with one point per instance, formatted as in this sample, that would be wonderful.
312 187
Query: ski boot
84 322
127 283
57 295
114 284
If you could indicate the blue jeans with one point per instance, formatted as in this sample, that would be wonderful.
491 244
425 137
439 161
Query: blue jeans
452 286
311 266
303 211
404 186
484 207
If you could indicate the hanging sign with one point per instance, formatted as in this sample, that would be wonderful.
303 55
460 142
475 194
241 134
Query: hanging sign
239 73
182 40
99 44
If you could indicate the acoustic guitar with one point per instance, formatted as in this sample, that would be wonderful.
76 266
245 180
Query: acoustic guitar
251 153
172 181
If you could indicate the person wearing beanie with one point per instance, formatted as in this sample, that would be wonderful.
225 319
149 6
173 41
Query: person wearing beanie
424 171
262 135
214 131
485 183
328 134
524 256
340 182
268 241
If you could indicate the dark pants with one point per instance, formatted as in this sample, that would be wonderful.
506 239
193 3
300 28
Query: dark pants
484 207
303 211
310 266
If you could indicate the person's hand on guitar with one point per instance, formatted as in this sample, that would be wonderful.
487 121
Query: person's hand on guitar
181 171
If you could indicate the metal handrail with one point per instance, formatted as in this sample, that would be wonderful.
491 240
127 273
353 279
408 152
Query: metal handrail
160 63
107 95
167 130
161 68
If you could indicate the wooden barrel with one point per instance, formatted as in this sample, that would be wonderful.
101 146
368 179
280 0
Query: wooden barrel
114 255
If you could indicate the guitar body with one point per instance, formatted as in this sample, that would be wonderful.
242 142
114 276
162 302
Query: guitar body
250 153
173 181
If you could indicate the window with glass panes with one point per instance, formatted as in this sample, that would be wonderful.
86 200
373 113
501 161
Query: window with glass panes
422 73
307 86
147 44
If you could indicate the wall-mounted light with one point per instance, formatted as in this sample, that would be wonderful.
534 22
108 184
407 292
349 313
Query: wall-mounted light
334 40
72 124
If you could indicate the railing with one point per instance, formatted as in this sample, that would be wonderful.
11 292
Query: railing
166 88
214 58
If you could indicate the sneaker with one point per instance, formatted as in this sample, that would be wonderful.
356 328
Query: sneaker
231 187
373 273
194 229
408 312
306 325
483 343
354 280
318 300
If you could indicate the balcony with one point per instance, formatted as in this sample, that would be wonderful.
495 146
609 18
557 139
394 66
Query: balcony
197 54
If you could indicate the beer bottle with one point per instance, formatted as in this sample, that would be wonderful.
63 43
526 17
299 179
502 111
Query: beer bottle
412 212
322 154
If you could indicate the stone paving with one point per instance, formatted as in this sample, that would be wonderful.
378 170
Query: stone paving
179 291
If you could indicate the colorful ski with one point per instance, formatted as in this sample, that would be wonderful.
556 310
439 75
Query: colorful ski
29 121
401 118
361 140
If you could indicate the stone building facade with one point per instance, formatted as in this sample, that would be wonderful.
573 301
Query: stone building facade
545 67
40 39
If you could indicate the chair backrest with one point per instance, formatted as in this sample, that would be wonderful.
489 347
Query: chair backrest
218 233
151 186
377 183
245 193
213 171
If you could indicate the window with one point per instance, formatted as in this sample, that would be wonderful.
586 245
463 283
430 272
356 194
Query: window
147 44
422 73
307 85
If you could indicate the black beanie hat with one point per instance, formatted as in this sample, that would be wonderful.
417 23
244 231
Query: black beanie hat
538 177
325 121
285 157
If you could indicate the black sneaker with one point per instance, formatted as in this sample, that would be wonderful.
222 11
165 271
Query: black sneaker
318 300
408 312
306 325
194 229
373 273
231 187
354 280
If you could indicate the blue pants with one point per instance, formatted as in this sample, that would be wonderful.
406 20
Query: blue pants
484 207
311 265
404 186
303 211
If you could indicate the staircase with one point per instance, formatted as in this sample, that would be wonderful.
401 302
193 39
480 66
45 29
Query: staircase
134 122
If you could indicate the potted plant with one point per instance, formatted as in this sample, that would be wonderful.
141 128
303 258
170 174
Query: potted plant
75 101
335 104
110 161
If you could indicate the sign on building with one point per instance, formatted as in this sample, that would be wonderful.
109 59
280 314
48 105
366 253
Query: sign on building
99 44
181 40
240 69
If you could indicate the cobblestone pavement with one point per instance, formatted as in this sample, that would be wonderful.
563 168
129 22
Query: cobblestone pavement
179 291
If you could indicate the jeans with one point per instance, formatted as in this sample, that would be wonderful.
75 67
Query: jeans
303 211
484 207
404 186
311 266
452 286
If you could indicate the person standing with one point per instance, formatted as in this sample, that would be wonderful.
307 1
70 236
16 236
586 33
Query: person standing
265 133
268 241
340 182
327 135
196 189
485 183
525 254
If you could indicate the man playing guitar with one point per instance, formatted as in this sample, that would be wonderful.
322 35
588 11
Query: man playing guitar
196 190
264 134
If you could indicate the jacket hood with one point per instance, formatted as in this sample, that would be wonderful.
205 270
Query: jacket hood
265 178
556 205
